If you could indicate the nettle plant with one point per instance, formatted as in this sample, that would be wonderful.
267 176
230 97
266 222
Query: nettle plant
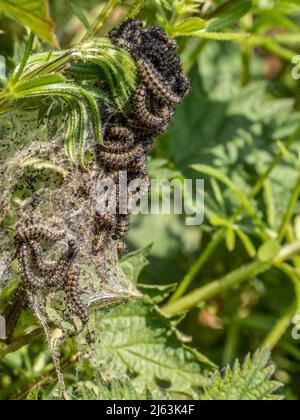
70 118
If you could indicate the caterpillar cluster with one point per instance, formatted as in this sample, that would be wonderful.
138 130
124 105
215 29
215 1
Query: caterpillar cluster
162 85
126 142
39 274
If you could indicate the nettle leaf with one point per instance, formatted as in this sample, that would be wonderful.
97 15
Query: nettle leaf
138 340
252 381
233 130
34 14
189 26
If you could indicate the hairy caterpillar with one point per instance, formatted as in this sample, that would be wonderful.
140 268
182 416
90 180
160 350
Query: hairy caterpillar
120 160
155 82
36 232
117 139
74 296
30 280
144 115
45 267
53 274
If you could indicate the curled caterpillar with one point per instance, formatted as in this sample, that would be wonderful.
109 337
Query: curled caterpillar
45 267
156 83
141 105
118 139
37 232
29 278
120 160
51 274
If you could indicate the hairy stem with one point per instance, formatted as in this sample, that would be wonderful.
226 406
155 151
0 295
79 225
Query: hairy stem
188 279
232 279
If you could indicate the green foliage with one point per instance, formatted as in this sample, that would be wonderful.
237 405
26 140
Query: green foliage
252 381
115 390
226 288
138 340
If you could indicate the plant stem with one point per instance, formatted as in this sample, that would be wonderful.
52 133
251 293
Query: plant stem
233 279
270 205
289 213
25 57
215 287
191 275
19 342
188 279
271 46
280 328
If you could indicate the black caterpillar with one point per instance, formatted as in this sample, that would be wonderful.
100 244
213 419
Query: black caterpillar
126 142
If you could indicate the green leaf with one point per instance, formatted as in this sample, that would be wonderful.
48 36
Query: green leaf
268 251
134 263
215 220
231 129
213 172
218 36
189 26
138 340
34 14
250 382
232 14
